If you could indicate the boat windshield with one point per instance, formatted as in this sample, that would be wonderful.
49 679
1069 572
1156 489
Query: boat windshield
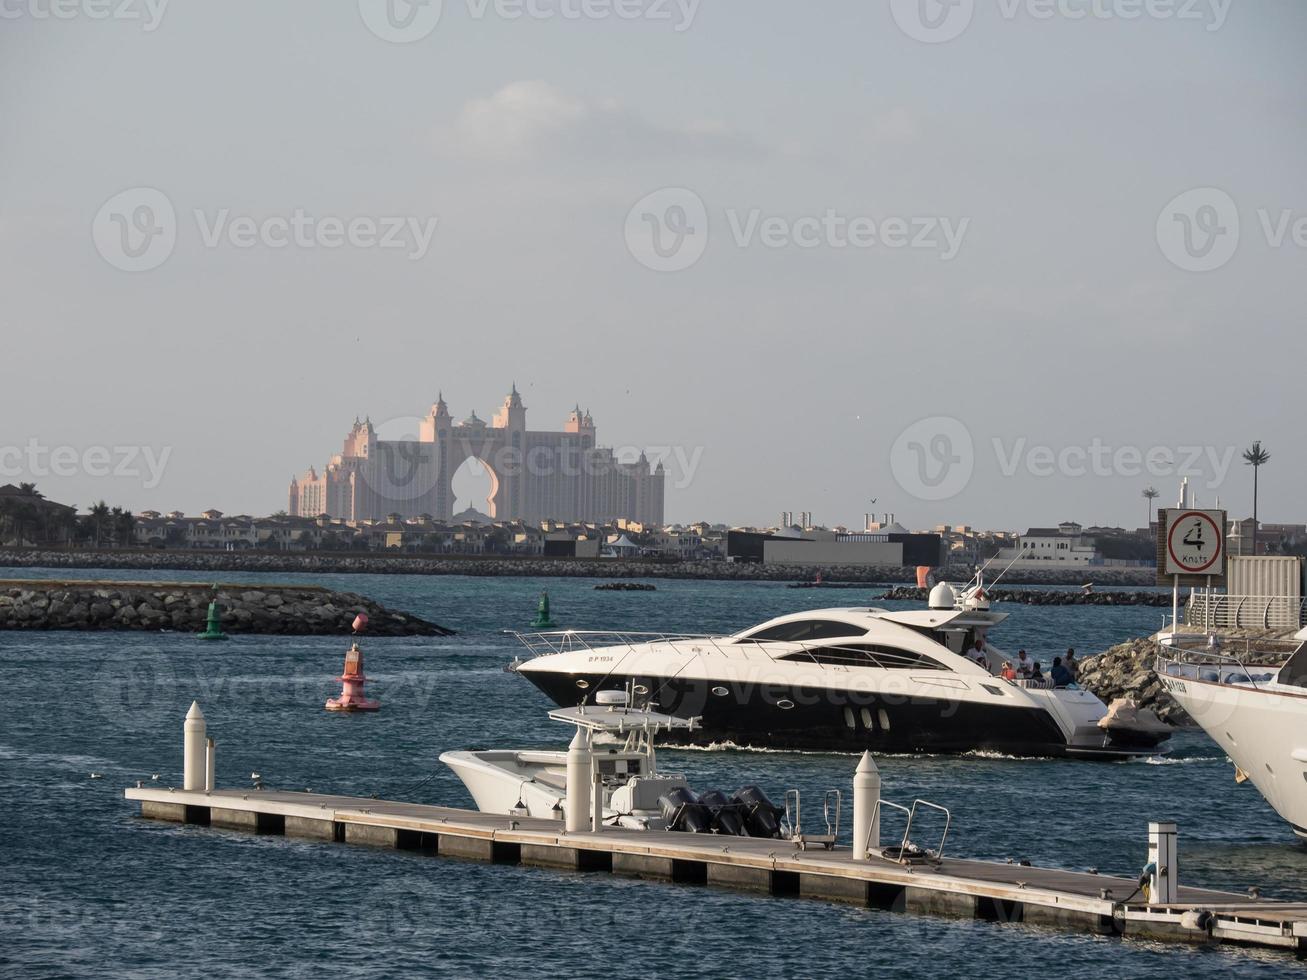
956 641
1295 671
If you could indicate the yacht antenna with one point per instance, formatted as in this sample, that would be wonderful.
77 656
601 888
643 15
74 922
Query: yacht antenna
978 578
981 570
1019 556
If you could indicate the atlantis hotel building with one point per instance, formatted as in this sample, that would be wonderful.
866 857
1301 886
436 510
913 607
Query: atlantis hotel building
534 476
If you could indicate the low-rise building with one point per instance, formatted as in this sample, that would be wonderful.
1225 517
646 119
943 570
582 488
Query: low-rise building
27 517
1066 544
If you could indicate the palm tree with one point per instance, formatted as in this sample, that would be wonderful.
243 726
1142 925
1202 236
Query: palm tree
121 525
1256 457
1150 494
63 525
98 520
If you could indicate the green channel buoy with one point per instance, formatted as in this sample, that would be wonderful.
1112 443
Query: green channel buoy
542 620
213 626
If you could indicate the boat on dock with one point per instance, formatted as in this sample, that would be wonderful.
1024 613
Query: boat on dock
617 742
844 679
1256 712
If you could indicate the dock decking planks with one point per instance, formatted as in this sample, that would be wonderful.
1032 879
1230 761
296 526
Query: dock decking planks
1069 900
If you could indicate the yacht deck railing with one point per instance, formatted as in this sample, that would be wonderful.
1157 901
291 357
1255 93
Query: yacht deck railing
570 641
700 644
1241 660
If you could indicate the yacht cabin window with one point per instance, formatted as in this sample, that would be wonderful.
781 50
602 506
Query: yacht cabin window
802 630
867 655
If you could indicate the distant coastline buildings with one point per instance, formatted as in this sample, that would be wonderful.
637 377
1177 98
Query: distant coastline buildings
559 475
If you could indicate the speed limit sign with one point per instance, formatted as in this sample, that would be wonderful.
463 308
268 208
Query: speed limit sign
1195 543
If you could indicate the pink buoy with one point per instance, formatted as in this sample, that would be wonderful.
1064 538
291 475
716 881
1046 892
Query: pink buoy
352 681
360 622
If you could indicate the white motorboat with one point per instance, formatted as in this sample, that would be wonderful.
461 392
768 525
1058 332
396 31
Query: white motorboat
621 760
525 782
843 679
1257 714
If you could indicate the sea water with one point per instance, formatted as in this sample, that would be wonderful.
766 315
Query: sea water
91 889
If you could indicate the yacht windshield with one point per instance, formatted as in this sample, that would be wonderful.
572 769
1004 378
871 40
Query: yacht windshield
1295 671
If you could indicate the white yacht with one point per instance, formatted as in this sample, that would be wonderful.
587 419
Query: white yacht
1256 714
844 680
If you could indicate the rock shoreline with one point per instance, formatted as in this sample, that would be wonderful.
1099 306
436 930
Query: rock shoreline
183 608
325 563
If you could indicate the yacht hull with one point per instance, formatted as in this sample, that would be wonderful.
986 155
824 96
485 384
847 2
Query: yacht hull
827 719
1263 731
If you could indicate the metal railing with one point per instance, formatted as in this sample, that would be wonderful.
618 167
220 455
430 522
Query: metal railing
794 819
1243 660
701 644
568 641
935 855
1223 611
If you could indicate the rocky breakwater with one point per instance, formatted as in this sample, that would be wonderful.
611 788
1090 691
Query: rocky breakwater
183 608
1126 671
237 562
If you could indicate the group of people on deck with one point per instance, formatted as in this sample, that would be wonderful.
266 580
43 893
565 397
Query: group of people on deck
1063 673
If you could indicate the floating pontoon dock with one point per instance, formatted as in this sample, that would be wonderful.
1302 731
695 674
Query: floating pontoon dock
1074 902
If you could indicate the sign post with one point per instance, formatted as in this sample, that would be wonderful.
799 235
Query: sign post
1190 551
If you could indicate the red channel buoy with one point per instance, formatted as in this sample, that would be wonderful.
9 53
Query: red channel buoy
352 681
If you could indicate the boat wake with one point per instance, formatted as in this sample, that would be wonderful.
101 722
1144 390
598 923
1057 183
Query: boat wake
1157 760
730 746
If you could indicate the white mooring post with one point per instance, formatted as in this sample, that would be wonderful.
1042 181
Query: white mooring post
210 761
866 818
1164 882
577 814
194 746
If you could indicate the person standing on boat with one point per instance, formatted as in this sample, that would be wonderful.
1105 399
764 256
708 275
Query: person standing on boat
1023 665
1069 662
977 653
1060 675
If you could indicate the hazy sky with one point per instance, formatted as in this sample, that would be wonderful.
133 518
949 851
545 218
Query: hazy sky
880 213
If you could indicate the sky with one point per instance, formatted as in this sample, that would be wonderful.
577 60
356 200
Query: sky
998 263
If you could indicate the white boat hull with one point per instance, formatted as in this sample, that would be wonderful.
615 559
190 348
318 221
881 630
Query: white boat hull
1262 729
499 780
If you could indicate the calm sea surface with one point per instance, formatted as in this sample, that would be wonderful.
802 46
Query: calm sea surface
89 889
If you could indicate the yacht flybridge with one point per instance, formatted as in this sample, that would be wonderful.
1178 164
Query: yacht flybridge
1257 714
845 680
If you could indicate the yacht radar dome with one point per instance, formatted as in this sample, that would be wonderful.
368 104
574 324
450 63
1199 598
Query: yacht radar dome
611 699
942 597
